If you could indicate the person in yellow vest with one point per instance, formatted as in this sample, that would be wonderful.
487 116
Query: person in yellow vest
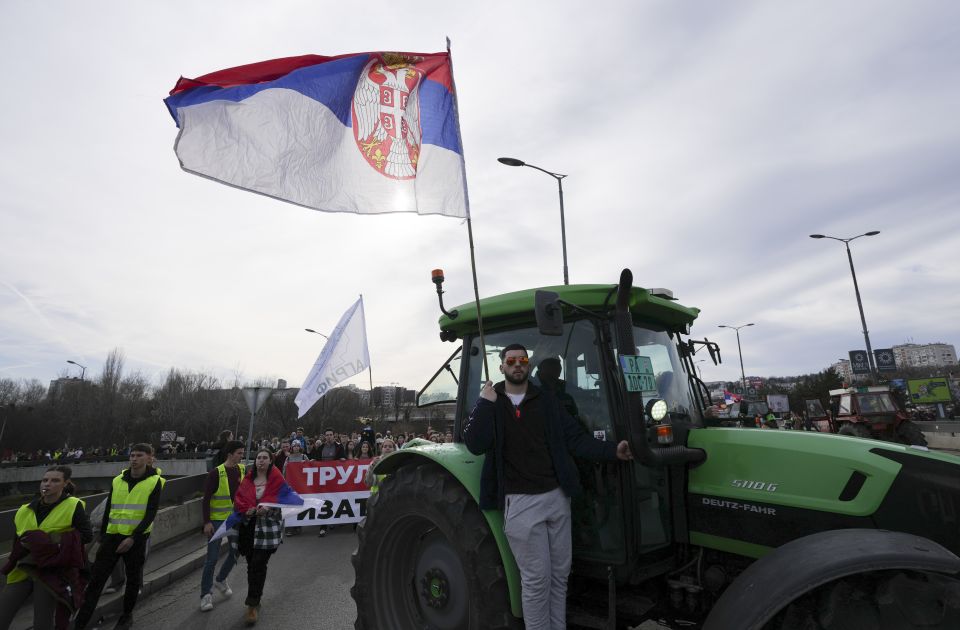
218 494
127 522
55 513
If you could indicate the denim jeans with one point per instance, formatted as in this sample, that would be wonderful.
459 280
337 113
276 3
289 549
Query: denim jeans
213 554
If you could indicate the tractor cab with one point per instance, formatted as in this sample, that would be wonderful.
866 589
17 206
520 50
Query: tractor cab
872 412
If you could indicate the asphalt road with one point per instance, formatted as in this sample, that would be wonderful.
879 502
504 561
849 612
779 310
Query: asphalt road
308 586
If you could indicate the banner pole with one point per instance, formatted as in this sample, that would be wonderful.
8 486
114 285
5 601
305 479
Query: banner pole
466 198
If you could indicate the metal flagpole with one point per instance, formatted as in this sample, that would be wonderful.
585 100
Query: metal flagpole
466 197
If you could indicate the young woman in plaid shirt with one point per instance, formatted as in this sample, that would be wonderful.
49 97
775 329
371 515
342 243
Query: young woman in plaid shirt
262 529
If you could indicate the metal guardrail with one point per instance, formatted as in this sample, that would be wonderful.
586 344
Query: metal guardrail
99 459
175 492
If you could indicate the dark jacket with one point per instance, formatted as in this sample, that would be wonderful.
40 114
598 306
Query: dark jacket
56 564
483 435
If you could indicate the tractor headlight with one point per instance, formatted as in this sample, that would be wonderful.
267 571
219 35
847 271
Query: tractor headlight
656 409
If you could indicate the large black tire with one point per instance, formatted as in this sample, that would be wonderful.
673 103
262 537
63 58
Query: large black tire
855 430
426 559
910 433
904 600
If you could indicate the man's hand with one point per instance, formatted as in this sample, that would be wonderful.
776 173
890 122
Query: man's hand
488 393
623 451
261 510
125 545
251 511
208 530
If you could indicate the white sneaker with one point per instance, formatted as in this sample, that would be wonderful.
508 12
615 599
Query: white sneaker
206 603
224 588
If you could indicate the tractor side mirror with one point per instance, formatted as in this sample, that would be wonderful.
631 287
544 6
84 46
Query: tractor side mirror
549 313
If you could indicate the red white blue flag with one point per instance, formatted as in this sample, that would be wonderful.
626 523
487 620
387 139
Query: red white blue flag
365 133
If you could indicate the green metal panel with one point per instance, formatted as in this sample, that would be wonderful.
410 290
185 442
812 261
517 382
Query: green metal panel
465 468
809 469
515 309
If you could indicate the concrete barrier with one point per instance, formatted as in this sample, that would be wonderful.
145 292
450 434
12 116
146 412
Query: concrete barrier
170 467
177 521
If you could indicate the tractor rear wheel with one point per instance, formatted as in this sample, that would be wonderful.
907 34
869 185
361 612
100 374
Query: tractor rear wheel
855 430
905 600
910 433
427 559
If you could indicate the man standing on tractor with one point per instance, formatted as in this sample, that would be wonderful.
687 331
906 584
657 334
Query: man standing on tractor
527 437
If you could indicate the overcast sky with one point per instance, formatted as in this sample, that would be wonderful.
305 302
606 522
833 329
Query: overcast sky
704 142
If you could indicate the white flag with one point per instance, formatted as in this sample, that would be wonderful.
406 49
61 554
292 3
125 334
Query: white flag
343 356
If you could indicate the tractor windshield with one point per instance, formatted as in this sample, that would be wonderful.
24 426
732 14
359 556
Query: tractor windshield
673 386
569 365
876 403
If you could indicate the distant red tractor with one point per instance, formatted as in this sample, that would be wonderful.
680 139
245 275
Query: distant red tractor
867 412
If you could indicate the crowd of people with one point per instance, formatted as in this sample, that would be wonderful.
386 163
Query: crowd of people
49 558
64 562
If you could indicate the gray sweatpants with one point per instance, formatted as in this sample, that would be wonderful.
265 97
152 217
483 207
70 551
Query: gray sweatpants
537 527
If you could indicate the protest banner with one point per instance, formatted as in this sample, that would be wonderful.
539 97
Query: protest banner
337 488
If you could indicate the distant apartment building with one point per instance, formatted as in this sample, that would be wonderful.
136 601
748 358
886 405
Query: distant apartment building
925 355
843 370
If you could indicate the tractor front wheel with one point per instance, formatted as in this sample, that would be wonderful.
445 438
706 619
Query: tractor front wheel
855 430
427 559
910 433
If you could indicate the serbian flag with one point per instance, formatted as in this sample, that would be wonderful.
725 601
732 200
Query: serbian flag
365 133
276 494
730 398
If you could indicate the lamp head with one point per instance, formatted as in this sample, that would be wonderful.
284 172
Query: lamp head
817 236
511 161
872 233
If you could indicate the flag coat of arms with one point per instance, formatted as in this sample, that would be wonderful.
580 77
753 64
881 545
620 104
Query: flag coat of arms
365 133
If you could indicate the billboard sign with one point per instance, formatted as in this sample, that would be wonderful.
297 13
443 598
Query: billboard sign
859 363
929 390
778 403
885 360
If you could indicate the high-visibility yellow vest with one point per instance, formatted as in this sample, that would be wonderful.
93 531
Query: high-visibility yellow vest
59 520
127 508
375 488
221 505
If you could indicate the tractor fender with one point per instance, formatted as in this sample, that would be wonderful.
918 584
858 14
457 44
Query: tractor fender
772 582
465 467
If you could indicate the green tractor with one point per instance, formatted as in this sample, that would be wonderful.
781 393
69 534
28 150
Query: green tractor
709 527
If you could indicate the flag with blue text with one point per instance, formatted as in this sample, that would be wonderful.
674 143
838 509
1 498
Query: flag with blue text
344 355
365 133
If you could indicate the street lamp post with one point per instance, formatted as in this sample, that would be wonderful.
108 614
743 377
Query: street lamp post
697 365
311 330
856 289
563 228
743 376
83 368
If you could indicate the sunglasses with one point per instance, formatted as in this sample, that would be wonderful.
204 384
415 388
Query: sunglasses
514 360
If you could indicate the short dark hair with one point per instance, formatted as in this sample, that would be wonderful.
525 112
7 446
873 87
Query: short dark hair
233 445
143 447
330 430
513 346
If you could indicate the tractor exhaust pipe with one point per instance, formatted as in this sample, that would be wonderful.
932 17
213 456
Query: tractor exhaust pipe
636 421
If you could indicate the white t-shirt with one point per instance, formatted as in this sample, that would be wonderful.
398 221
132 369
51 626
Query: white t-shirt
516 398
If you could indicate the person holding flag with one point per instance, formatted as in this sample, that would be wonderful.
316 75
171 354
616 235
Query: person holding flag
258 518
221 487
